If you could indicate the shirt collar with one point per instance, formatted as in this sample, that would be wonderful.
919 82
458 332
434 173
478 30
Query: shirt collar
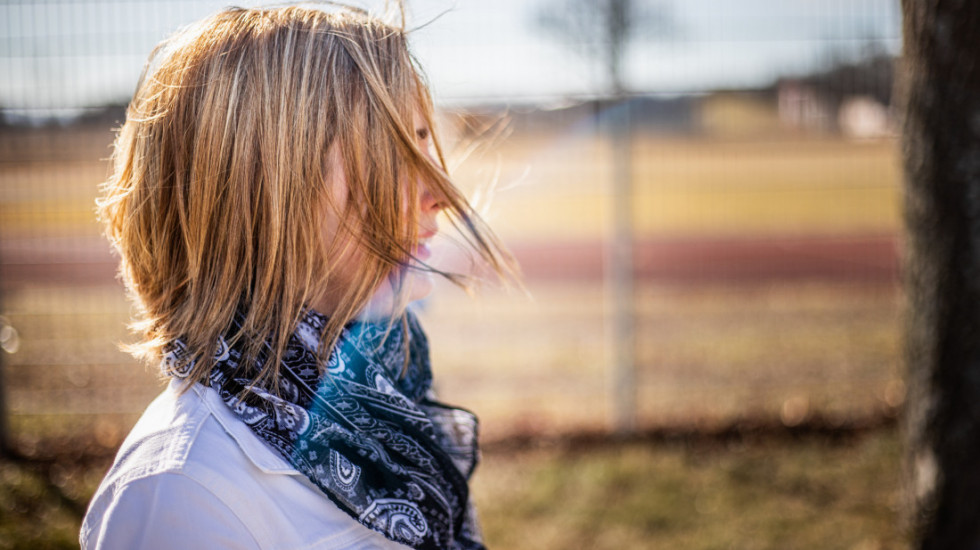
257 451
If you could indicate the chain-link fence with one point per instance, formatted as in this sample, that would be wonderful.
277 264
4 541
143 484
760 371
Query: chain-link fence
764 202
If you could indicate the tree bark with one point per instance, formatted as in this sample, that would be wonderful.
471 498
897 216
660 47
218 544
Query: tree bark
939 90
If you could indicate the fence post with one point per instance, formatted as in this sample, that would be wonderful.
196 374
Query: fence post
620 268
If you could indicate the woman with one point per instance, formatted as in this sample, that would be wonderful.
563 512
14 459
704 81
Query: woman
274 189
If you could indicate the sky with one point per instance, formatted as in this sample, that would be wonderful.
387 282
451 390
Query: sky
66 55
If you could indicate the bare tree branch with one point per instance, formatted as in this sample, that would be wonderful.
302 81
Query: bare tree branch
602 30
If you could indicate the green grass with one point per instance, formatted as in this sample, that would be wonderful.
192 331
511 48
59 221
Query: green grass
789 494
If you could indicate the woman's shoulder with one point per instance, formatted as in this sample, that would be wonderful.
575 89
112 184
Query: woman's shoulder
190 433
162 439
153 491
189 465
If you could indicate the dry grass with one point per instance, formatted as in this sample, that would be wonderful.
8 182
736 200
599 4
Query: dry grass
750 494
775 494
559 187
705 354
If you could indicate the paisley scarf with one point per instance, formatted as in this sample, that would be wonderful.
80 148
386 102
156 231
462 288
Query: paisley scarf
368 432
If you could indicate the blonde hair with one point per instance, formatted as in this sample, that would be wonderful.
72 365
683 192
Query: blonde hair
220 178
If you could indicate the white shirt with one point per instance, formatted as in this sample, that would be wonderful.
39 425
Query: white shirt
191 475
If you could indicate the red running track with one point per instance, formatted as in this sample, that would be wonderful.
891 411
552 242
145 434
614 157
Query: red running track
871 258
734 259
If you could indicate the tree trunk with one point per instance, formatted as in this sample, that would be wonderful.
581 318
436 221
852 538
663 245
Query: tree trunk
939 90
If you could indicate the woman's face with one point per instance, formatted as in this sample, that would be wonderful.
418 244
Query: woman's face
415 282
420 280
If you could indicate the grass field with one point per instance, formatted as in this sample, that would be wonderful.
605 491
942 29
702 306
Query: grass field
559 187
706 354
781 494
746 494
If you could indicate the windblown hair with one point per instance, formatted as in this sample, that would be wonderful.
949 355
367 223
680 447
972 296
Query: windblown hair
221 178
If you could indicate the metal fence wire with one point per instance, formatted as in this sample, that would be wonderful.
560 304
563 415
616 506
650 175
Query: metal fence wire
763 195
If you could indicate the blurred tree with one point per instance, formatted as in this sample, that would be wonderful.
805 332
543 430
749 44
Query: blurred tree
602 29
940 93
870 76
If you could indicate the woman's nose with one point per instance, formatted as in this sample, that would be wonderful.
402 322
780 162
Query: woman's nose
430 207
430 202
